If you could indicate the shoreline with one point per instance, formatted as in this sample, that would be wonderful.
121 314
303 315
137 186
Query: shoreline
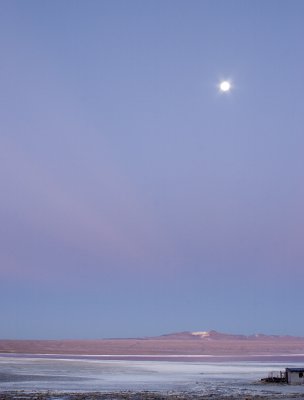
161 357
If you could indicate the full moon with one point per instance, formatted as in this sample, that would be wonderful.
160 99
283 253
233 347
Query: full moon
225 86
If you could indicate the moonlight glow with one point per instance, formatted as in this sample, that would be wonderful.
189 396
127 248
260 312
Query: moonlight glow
225 86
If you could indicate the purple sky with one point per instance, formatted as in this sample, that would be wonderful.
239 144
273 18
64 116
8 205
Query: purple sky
135 198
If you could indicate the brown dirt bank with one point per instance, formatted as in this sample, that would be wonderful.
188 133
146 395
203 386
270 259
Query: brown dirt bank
154 347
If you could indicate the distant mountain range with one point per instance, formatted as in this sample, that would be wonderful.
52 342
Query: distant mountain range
214 335
201 343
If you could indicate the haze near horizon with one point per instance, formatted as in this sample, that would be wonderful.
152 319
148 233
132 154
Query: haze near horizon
136 198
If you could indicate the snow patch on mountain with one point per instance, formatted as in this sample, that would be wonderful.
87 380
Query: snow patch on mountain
202 334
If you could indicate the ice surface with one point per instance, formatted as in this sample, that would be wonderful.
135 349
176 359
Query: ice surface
33 373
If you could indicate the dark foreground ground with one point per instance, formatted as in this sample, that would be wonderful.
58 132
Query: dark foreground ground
21 395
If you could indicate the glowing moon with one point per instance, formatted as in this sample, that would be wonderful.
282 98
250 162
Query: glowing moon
225 86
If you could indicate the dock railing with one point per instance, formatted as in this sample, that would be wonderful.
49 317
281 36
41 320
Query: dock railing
275 377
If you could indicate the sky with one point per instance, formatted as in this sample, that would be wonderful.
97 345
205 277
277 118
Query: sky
136 199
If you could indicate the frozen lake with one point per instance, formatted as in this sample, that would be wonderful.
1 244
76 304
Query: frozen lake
86 374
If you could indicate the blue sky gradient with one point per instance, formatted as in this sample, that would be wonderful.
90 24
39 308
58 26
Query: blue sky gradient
135 198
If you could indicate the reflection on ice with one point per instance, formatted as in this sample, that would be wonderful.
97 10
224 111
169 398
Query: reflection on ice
109 375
